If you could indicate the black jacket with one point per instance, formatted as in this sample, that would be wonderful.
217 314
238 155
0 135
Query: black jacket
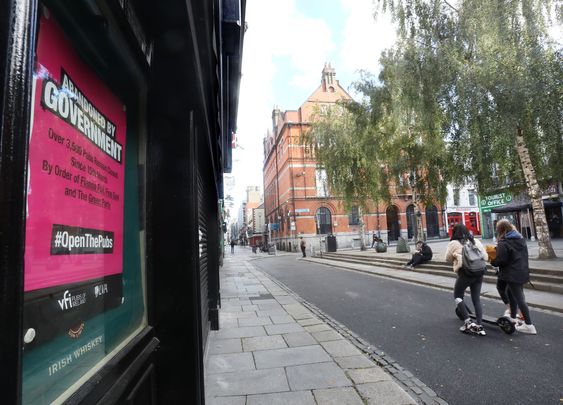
426 252
512 258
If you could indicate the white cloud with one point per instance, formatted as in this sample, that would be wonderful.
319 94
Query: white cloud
276 29
364 37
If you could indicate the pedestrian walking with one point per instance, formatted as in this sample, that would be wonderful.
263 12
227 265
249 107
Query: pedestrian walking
303 246
232 246
512 261
454 255
422 255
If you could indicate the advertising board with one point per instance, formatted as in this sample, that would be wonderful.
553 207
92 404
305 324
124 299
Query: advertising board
74 214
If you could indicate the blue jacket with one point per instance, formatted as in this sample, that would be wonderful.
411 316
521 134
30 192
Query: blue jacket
512 258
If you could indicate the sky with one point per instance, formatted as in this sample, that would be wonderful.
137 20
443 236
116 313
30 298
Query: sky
286 46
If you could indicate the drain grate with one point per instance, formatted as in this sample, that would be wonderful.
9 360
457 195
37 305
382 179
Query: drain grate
262 297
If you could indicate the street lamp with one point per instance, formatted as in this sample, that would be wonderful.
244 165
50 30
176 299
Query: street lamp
279 230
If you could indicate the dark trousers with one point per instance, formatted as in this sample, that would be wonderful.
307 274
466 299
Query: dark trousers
416 260
474 283
513 294
303 251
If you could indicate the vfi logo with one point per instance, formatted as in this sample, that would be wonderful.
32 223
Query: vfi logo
66 301
70 301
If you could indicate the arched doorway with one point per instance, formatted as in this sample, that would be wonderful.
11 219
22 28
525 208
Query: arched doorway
324 221
411 221
432 228
393 227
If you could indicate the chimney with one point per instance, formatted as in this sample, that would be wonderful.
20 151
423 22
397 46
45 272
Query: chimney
275 119
328 79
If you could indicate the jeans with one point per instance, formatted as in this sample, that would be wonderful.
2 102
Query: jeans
474 283
513 294
416 260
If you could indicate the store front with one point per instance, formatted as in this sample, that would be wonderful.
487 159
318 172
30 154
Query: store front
486 204
516 209
113 147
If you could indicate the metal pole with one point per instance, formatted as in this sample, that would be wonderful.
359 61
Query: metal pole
532 228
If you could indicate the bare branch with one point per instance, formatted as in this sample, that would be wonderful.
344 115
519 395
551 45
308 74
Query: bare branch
452 7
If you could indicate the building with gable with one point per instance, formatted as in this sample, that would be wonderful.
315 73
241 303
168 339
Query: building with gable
297 201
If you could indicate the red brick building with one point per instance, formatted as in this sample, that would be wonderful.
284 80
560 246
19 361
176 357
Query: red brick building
297 199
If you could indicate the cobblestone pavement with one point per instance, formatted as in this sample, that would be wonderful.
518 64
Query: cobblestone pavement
275 348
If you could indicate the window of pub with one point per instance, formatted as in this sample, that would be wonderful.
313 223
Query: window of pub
84 274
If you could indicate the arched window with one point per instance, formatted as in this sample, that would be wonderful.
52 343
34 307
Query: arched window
432 229
324 221
354 216
393 227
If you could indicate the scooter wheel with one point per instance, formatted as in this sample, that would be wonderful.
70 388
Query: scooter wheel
507 327
459 315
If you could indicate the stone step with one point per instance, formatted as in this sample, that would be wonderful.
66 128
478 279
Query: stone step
547 275
538 281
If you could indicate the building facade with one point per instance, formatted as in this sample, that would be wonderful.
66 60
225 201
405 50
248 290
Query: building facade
517 208
115 130
257 220
253 201
297 201
462 207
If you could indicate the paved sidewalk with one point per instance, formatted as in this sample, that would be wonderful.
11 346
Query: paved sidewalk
274 348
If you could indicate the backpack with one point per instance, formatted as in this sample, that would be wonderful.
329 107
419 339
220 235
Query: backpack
474 262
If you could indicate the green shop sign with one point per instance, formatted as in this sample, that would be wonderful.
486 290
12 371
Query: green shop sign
488 202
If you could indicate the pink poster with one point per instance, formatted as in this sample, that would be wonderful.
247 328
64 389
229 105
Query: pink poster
74 224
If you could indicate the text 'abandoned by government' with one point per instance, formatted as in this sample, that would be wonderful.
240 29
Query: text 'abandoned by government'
63 103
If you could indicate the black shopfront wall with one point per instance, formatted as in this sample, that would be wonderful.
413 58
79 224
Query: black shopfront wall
161 64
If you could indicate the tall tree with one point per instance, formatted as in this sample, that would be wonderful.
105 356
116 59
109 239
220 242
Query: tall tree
341 148
378 148
500 89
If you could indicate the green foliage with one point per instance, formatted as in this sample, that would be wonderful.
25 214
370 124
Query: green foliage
495 71
389 143
462 79
343 148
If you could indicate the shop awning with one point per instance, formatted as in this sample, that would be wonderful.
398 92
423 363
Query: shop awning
524 207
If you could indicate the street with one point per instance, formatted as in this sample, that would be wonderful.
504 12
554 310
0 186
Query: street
417 326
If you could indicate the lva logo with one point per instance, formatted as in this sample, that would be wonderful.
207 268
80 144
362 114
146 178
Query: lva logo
70 301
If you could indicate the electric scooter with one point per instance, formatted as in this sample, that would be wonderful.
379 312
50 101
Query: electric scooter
503 322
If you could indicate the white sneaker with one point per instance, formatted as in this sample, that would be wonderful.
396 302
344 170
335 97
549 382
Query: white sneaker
477 329
528 329
467 325
507 313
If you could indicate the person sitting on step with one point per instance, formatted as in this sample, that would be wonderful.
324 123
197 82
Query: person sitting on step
423 254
